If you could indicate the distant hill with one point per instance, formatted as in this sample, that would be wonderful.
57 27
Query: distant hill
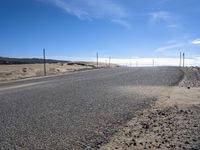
7 61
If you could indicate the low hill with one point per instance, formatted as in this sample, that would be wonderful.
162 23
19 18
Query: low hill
9 61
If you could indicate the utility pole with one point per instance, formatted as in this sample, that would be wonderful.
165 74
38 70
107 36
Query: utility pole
153 62
97 60
183 59
180 59
44 55
109 61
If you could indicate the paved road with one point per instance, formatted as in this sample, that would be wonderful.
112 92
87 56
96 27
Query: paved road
75 111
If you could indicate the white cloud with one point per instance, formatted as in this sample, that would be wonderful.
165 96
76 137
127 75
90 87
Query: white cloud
160 15
122 23
196 42
174 26
94 9
176 43
170 19
142 62
169 47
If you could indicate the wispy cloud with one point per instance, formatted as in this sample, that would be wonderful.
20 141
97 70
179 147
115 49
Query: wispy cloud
196 42
122 23
174 26
171 20
161 2
94 9
160 16
168 47
174 44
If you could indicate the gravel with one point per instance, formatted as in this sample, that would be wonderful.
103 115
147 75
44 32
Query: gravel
77 111
155 128
191 78
164 127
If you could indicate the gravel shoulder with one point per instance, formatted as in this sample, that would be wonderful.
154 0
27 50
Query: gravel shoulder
172 122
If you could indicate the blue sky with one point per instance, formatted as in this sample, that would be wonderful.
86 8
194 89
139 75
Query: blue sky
75 29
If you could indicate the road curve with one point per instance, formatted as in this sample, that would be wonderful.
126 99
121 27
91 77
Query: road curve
75 111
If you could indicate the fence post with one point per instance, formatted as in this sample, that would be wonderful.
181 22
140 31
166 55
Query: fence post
109 61
44 55
180 59
97 60
153 63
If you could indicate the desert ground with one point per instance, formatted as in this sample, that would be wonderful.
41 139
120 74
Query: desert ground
114 108
79 110
172 122
20 71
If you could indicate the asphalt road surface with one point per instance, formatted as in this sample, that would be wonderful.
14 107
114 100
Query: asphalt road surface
74 111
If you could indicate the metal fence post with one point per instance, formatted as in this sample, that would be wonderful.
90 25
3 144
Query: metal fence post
97 60
44 55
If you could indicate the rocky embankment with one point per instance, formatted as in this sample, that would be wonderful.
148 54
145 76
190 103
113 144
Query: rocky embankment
191 78
169 128
166 125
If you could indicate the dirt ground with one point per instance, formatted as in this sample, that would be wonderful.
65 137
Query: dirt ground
13 72
173 121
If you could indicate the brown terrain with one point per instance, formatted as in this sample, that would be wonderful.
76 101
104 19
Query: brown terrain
172 122
21 71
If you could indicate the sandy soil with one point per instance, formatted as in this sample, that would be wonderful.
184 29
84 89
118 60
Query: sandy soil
13 72
173 121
